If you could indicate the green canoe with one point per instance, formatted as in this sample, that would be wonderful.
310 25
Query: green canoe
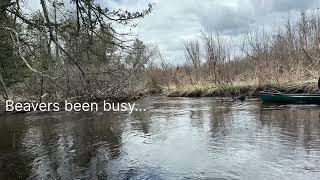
277 97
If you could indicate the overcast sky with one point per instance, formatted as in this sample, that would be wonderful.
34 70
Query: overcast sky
174 21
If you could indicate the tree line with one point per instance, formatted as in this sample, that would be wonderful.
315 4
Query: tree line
70 50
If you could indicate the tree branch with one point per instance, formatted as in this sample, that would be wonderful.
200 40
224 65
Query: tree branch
17 42
46 15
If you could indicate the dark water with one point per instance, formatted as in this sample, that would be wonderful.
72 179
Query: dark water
176 138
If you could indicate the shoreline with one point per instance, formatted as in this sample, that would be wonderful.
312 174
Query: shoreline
198 90
234 90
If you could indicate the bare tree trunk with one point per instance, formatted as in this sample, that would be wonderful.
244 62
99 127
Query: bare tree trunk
46 16
5 92
41 89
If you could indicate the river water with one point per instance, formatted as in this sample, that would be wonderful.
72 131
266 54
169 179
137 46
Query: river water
175 138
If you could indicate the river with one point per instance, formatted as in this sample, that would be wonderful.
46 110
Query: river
175 138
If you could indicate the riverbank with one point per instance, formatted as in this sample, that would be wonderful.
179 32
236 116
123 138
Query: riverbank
237 89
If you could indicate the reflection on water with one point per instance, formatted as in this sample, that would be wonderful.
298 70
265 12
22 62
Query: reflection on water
176 138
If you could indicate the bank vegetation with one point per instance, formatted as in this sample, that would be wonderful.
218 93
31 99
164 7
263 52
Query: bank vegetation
71 50
285 58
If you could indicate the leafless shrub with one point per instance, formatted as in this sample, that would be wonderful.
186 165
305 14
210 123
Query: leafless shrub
289 54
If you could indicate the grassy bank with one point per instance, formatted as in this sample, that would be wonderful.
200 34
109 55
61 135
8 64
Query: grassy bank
230 90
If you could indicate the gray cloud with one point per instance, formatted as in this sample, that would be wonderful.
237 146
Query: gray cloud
269 6
174 21
225 19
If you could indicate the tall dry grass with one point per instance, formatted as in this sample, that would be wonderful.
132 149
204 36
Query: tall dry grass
287 58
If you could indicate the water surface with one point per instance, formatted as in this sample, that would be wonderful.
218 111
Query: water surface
176 138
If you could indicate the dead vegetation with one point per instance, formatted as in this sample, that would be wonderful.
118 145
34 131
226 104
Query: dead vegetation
70 50
286 59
